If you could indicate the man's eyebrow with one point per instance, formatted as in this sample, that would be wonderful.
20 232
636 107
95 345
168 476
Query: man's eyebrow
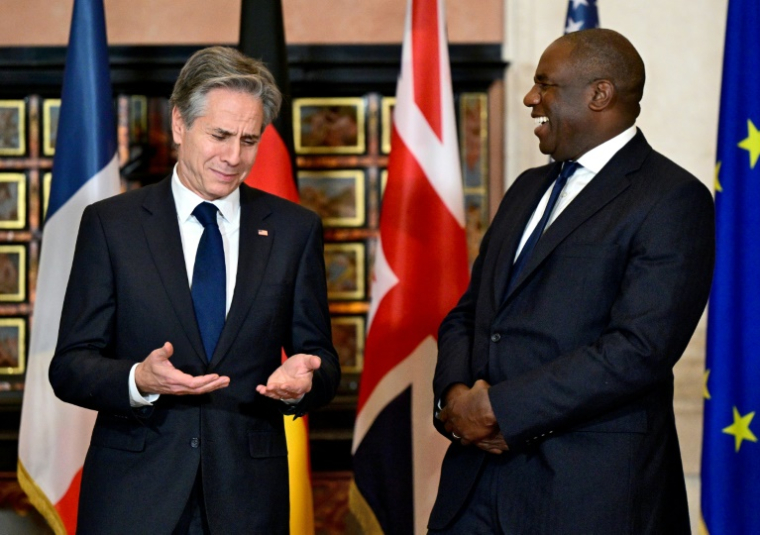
221 131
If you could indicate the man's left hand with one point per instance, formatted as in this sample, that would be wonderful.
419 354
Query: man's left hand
292 380
468 416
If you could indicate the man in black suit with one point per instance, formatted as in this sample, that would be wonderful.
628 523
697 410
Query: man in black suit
189 434
554 379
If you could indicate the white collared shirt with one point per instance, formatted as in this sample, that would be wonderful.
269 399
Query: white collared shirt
592 162
190 231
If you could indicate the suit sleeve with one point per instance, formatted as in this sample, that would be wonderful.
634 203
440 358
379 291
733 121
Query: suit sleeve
456 336
310 331
84 370
662 295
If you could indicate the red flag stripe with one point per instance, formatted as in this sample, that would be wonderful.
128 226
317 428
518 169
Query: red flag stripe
272 170
426 63
422 243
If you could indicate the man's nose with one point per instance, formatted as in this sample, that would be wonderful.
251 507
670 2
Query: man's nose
532 97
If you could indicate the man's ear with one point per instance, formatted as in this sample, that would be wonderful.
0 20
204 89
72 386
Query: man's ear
178 126
603 96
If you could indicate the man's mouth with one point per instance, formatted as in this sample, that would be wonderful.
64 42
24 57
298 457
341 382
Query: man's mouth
539 121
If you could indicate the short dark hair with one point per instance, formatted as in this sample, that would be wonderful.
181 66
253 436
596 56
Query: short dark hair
223 67
601 53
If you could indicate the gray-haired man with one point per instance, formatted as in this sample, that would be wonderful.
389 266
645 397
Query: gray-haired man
181 297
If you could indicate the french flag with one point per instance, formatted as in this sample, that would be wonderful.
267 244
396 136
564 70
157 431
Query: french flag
420 271
54 436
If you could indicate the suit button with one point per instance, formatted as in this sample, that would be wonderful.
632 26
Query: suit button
495 337
195 442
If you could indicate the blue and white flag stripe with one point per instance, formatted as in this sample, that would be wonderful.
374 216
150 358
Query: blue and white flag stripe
54 436
581 15
86 141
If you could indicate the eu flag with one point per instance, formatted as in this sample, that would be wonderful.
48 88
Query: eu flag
731 452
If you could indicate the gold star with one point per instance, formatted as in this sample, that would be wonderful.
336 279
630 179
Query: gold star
718 187
740 428
705 391
751 143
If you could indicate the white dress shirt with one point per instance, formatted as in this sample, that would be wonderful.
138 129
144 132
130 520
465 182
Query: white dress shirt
191 231
592 162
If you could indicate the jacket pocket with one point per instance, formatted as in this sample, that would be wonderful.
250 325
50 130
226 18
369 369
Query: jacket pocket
265 444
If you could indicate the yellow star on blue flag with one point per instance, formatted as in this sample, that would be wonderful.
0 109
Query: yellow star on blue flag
740 428
751 143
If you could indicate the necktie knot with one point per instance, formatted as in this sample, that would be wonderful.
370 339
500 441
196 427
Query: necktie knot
568 168
205 213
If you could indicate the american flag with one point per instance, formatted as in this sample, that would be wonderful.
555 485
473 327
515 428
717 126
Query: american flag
581 15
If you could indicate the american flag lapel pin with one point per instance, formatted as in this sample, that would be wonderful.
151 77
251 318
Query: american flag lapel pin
263 232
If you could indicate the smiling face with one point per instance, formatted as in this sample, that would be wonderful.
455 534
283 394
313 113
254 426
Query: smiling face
216 153
560 99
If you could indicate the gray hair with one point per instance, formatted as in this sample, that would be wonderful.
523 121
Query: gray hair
223 67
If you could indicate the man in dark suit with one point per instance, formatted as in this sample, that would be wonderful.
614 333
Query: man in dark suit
190 389
555 370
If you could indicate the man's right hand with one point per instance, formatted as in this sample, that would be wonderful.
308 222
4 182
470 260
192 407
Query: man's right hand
157 375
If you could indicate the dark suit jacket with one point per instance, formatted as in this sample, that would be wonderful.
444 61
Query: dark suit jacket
580 353
127 295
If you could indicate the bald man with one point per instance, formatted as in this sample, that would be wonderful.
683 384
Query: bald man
554 380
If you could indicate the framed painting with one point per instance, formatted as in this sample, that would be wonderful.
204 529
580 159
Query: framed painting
51 110
47 179
12 201
473 139
387 105
383 181
345 266
12 346
348 334
329 125
12 127
12 273
337 196
138 118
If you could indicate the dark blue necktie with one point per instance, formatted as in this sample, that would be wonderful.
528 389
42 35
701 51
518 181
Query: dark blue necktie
209 279
568 168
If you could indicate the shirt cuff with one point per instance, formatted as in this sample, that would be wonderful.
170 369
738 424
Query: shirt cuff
135 398
292 401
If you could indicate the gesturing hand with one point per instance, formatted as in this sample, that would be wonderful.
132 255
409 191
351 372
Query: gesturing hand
292 380
157 375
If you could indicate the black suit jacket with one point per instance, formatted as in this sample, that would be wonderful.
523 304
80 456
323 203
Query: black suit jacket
128 294
580 352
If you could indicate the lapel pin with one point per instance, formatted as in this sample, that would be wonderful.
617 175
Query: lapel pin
263 232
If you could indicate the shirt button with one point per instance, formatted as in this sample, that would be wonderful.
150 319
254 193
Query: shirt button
495 337
195 442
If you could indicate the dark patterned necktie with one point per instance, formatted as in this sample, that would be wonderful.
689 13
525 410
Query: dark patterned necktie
209 288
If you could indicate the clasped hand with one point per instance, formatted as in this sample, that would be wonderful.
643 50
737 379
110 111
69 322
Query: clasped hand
469 416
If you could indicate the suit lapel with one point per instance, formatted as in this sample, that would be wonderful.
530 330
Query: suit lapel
514 231
255 248
159 221
610 182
